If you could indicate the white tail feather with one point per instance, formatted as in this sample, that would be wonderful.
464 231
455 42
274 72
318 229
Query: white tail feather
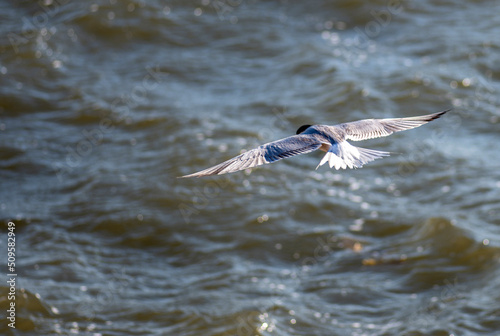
344 155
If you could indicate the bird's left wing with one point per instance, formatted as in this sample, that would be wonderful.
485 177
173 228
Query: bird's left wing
267 153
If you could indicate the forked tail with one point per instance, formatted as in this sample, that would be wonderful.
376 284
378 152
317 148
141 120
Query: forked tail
344 155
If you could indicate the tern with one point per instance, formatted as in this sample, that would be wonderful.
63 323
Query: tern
330 139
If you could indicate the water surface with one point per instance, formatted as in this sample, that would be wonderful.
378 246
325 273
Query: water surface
103 104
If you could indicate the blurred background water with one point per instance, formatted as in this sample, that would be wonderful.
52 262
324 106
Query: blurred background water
104 103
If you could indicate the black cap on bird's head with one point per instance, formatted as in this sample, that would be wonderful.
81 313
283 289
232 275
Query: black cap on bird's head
302 128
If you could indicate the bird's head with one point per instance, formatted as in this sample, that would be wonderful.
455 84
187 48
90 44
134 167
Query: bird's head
302 128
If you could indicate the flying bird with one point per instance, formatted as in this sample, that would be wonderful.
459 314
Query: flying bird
330 139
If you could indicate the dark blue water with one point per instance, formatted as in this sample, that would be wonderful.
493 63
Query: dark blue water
103 104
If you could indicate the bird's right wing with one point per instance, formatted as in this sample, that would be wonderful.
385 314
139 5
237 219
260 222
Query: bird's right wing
374 128
267 153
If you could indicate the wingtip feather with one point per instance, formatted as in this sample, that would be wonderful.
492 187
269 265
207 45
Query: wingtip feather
437 115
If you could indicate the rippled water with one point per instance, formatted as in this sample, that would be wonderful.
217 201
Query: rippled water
103 104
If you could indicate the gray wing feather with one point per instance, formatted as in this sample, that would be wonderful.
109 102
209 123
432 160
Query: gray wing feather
267 153
374 128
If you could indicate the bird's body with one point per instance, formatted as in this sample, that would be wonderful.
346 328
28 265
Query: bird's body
330 139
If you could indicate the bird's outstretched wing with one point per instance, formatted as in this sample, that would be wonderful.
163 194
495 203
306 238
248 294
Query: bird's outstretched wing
374 128
267 153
